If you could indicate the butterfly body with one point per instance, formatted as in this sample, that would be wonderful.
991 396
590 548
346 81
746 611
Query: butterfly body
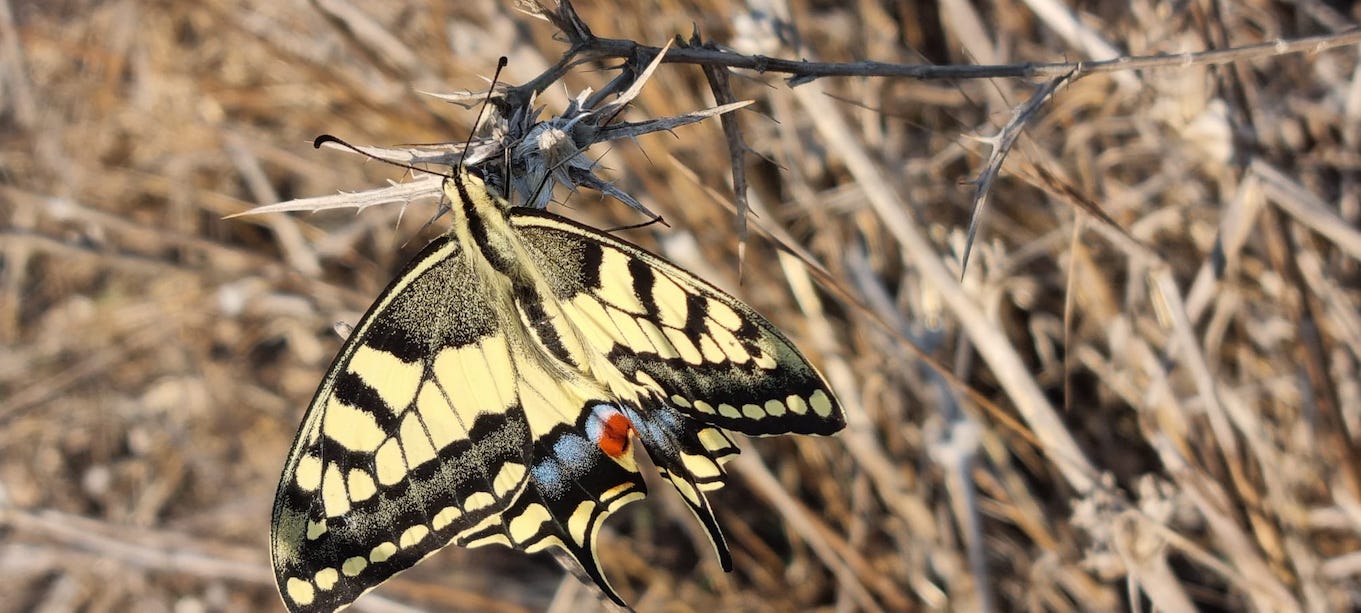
492 393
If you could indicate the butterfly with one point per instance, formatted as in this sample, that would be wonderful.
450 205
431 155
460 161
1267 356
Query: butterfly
494 392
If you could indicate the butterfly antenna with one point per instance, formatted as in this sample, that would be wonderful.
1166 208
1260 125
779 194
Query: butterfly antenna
328 138
641 224
495 78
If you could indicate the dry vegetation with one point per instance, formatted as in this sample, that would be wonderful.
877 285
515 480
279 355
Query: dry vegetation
1164 409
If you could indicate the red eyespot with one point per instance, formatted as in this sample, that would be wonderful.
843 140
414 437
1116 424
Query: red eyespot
614 437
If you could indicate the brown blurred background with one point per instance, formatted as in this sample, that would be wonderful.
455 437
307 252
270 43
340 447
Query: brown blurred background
1169 414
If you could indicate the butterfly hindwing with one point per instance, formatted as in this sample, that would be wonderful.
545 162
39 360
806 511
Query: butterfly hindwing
698 361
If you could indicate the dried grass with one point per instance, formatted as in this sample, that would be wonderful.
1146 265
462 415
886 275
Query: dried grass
1161 410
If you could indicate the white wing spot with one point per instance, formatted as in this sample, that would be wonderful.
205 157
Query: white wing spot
753 411
728 410
412 536
445 517
704 407
354 566
326 578
822 403
609 496
796 404
307 475
478 527
300 591
491 539
646 380
382 552
687 490
477 501
775 408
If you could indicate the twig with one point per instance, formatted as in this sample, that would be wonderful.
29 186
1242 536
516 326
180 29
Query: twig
587 46
1001 144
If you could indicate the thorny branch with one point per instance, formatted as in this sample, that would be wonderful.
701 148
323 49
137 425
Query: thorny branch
536 155
716 61
588 47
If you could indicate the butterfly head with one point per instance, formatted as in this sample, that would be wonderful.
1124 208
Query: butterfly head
471 194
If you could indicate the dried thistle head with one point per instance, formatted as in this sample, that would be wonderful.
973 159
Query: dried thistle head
524 158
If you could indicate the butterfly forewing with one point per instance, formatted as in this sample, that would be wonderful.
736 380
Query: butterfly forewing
491 395
711 356
395 457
